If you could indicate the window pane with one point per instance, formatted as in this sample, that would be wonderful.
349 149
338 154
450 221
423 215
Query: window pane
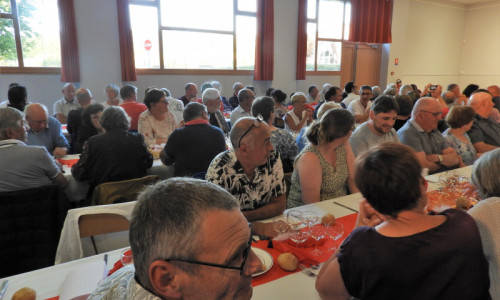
245 42
347 22
247 5
144 23
330 19
207 50
311 38
8 54
5 6
198 14
311 9
39 26
329 54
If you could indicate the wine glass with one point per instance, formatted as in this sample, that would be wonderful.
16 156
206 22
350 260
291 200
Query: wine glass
318 231
310 217
126 257
299 228
335 231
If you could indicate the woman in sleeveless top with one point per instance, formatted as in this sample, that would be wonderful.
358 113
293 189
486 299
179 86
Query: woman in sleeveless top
325 168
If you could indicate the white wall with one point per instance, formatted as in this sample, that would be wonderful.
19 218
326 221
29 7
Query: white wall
427 39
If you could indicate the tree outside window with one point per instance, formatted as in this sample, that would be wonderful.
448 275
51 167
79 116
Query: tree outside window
29 33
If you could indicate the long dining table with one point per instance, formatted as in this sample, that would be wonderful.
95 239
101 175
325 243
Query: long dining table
48 281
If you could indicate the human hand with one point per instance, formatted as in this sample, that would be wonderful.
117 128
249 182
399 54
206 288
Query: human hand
60 152
368 216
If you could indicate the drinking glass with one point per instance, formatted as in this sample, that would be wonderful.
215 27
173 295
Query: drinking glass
126 257
310 217
280 225
318 231
299 228
335 231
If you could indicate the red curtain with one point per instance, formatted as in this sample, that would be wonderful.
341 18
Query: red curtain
302 41
70 65
264 46
371 21
126 42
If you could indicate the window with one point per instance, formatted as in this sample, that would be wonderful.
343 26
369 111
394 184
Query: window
327 27
194 34
29 34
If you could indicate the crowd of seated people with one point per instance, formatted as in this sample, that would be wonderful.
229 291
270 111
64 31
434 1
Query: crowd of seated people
249 151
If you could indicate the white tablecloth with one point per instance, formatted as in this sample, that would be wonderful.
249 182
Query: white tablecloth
70 245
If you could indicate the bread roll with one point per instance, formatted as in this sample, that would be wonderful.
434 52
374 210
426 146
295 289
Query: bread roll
328 219
288 262
25 294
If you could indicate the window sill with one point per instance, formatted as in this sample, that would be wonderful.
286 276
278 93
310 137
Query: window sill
29 70
323 73
192 72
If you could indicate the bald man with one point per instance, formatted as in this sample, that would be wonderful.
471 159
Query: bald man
485 132
45 131
252 172
67 103
421 133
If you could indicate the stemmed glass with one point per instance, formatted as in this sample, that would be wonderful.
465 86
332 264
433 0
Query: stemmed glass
299 228
335 231
280 225
318 231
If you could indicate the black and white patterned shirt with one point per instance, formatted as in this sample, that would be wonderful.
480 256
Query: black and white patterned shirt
226 171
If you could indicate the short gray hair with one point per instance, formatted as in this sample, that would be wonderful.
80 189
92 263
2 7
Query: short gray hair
166 221
485 174
210 94
193 110
9 118
114 117
243 94
112 87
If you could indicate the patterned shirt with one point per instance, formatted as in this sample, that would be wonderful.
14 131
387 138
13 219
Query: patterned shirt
153 129
465 150
227 172
122 285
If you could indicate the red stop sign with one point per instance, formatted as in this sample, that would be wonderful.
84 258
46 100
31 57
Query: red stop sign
147 45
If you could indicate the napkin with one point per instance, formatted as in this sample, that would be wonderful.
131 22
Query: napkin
303 252
118 265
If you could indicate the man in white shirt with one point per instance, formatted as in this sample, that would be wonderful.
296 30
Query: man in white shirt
312 94
360 108
63 106
350 93
379 128
245 98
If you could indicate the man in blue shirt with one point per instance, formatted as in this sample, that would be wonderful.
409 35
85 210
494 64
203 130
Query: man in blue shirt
45 131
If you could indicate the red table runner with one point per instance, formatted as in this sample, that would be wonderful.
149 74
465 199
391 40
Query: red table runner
303 254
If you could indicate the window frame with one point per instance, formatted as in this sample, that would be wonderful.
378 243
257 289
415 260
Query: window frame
163 70
343 41
21 69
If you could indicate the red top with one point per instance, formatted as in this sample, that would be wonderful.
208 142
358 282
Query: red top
133 109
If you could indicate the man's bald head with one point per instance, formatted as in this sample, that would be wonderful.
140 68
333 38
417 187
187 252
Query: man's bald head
37 116
427 113
240 129
494 90
425 103
69 92
482 103
448 97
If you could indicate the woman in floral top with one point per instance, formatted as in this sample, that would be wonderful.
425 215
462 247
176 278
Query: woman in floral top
460 119
157 123
281 139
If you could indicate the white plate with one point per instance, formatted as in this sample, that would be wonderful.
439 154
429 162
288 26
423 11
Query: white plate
265 258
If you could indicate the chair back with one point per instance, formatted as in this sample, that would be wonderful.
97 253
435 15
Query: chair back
30 226
121 191
101 223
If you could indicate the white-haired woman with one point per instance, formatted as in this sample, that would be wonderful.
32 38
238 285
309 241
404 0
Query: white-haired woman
299 116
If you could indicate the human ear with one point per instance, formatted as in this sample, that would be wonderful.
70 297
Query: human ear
164 279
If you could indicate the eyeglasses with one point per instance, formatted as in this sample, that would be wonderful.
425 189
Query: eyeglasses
435 114
256 123
241 267
36 122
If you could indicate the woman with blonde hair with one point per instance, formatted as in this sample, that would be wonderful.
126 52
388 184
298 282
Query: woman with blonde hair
299 116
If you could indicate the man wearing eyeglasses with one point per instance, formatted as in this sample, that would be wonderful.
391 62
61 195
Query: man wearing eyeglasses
245 98
45 131
421 133
360 108
189 241
252 172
